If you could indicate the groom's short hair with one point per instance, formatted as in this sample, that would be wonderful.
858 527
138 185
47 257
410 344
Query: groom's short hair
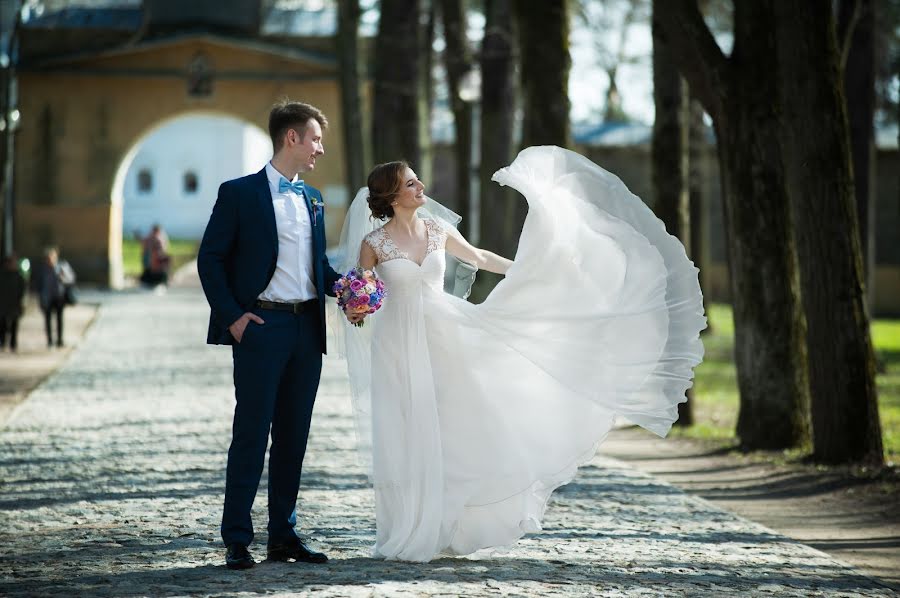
287 115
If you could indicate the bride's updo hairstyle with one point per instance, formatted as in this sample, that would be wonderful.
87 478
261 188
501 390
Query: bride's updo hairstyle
384 183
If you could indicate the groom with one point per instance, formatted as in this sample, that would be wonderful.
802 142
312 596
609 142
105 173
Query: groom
263 268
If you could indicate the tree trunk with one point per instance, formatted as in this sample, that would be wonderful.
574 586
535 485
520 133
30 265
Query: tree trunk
739 93
425 165
697 173
355 150
9 91
5 243
613 112
396 112
856 29
670 159
458 61
817 157
543 29
4 110
502 213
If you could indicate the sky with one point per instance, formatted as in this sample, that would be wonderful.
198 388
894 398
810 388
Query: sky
595 38
591 38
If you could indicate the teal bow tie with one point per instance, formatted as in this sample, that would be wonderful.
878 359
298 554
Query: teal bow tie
284 185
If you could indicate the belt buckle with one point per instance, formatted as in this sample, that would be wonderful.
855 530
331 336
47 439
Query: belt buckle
297 308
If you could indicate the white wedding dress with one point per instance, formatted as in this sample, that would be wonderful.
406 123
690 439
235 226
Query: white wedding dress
478 412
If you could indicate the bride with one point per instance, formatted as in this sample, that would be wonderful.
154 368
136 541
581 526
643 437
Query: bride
473 414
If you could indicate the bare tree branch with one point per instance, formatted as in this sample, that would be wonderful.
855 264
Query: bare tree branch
849 14
680 25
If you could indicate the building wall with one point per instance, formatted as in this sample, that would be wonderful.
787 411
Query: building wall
213 148
81 119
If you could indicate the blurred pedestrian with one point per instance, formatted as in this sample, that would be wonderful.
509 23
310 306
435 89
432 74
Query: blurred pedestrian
56 289
12 294
155 257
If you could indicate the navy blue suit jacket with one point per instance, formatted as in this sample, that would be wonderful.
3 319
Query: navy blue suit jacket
240 249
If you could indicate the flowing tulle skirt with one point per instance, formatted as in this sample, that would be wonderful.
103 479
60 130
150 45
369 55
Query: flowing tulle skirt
480 411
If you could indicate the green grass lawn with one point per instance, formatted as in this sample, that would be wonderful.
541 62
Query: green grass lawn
182 252
715 386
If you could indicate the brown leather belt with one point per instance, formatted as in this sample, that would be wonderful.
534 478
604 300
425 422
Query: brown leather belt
296 308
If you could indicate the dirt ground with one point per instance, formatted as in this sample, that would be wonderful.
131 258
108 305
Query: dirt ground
852 514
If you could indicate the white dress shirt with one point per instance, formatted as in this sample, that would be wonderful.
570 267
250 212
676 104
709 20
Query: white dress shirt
293 277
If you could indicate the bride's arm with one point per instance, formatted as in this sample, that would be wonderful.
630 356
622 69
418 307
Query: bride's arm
367 259
458 247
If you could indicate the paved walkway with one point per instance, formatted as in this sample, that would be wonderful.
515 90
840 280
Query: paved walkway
23 370
111 479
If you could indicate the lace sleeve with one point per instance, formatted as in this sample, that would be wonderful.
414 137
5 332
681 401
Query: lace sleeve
372 240
437 235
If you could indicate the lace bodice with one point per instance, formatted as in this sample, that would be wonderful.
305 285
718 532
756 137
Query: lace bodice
385 249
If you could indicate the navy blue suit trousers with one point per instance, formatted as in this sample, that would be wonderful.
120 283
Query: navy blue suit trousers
277 366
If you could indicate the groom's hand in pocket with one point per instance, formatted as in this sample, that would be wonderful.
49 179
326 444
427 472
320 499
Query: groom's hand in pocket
240 325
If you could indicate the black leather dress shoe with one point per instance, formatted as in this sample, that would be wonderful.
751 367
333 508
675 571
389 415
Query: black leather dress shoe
296 550
238 557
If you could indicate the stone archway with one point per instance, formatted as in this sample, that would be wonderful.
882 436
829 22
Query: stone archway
82 114
209 146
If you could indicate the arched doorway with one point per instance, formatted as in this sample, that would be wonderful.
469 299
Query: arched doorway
70 146
170 177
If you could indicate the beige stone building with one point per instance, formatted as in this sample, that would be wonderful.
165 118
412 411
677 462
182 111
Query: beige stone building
90 91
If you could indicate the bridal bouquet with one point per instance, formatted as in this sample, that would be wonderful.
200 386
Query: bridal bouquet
359 292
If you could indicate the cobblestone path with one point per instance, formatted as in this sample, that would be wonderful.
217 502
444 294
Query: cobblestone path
112 473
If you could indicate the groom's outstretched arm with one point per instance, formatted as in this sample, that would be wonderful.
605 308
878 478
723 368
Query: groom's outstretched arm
217 244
